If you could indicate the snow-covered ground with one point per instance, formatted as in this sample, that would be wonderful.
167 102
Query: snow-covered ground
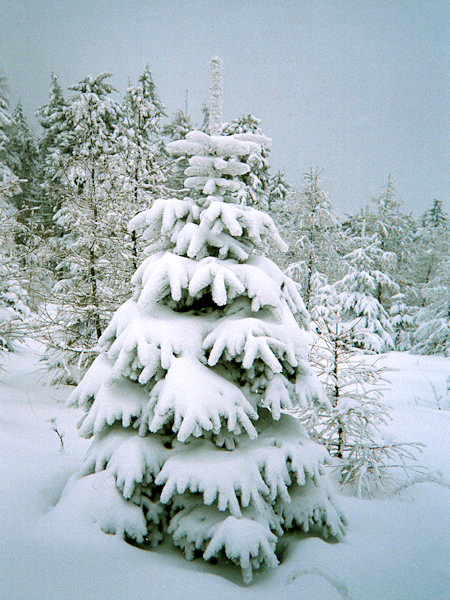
396 549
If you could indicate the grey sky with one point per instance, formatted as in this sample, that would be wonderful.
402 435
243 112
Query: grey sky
359 89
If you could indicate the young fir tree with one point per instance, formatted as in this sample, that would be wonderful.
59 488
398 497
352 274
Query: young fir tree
186 402
8 162
402 317
432 318
394 230
278 190
394 233
91 262
352 429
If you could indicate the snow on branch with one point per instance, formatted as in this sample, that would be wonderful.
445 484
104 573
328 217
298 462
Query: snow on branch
314 506
197 143
193 399
258 471
194 231
246 542
241 221
165 216
109 406
168 275
248 339
149 342
130 458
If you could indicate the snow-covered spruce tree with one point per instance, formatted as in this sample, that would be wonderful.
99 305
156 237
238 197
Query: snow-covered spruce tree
352 429
140 167
432 334
14 301
27 199
359 292
257 188
185 403
402 317
91 265
175 130
311 228
24 147
8 162
393 231
13 298
278 190
52 118
432 318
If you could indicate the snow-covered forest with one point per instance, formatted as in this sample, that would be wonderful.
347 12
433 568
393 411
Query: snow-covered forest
262 382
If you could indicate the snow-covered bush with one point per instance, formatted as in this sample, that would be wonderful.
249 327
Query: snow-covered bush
186 401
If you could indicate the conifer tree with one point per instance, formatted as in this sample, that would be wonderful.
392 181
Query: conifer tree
432 318
89 271
14 302
352 429
278 191
140 165
23 146
178 127
8 161
175 130
256 191
27 200
359 290
402 317
13 298
394 232
52 118
313 234
393 228
186 401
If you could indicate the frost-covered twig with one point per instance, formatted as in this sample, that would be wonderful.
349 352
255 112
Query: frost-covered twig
59 433
426 477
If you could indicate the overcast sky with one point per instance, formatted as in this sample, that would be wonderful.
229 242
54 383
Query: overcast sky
359 89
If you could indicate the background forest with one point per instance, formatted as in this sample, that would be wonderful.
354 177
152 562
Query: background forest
67 196
372 281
